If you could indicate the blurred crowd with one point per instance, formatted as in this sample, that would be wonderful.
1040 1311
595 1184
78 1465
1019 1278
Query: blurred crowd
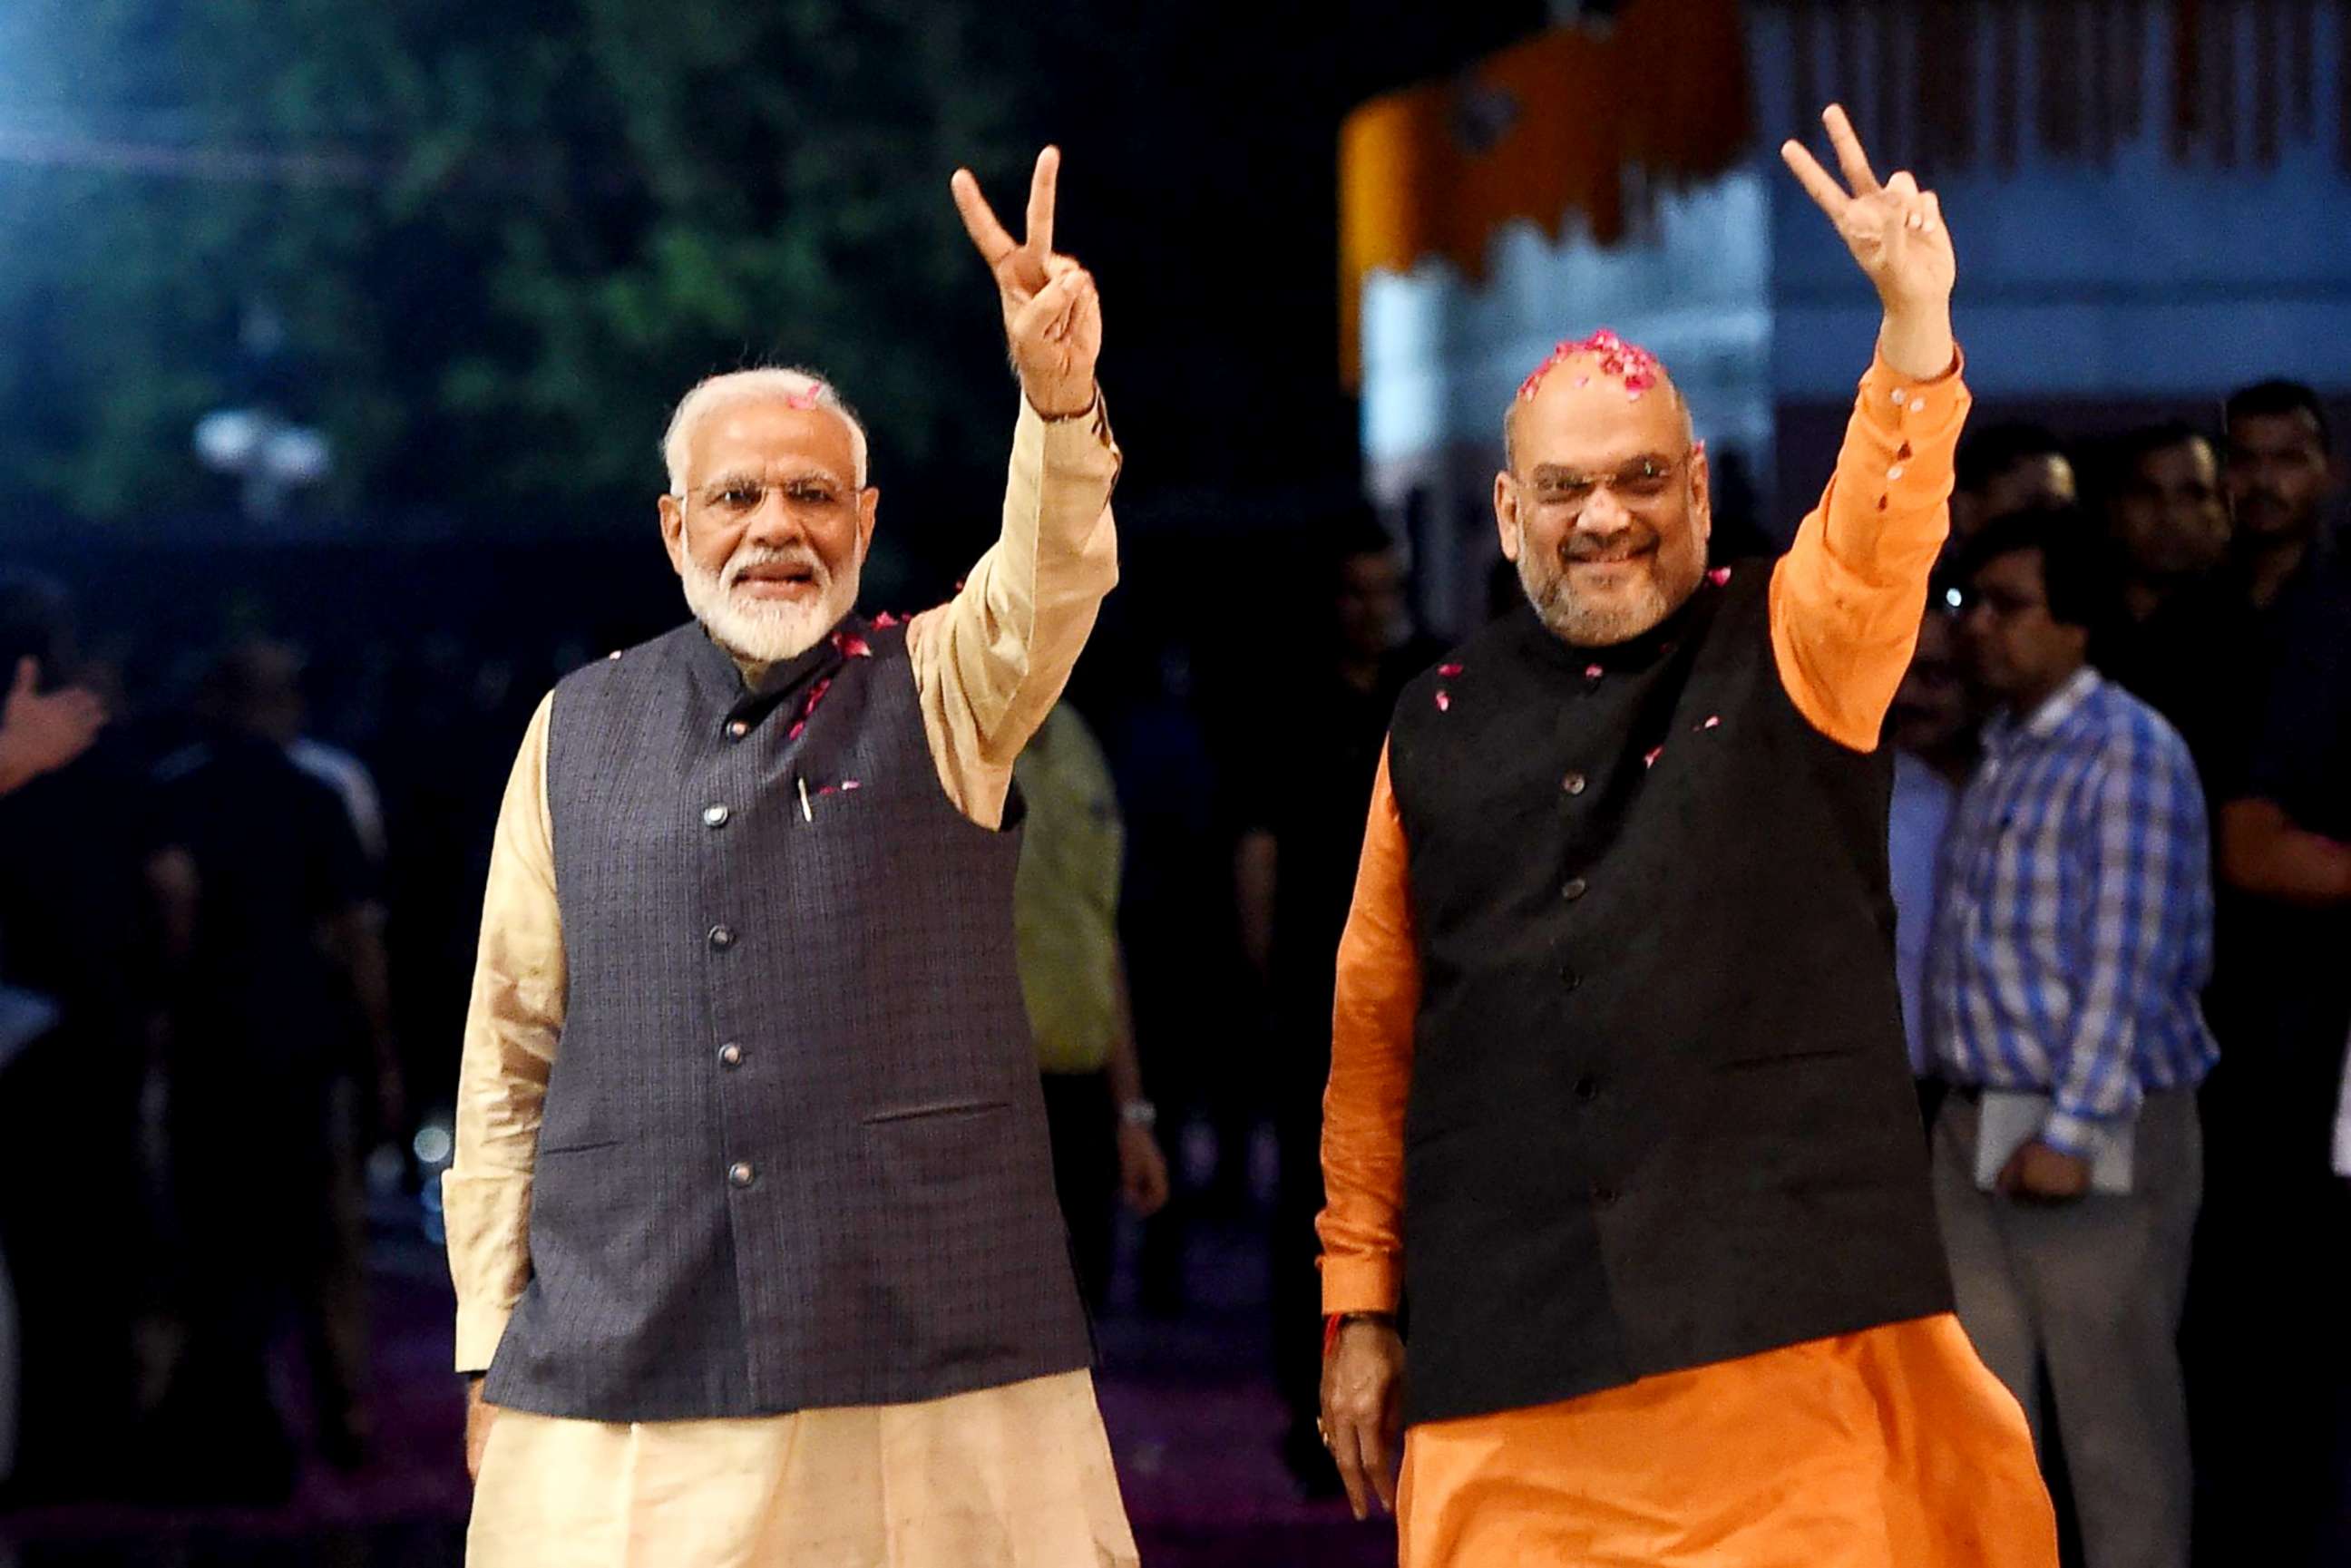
2121 851
239 889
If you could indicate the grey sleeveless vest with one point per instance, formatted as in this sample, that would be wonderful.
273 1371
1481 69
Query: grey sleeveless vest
794 1150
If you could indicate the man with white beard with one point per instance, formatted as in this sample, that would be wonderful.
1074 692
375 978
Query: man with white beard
752 1217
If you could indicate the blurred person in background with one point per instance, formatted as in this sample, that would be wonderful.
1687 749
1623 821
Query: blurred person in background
2269 1365
2205 660
1174 918
1074 980
2166 516
752 1219
2168 526
2283 478
1294 868
2011 467
278 1011
76 934
1932 733
1619 1110
2073 935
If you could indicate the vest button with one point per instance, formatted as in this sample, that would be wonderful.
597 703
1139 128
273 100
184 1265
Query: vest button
722 937
1587 1088
736 729
730 1054
715 816
1573 783
1570 979
740 1173
1576 887
1602 1194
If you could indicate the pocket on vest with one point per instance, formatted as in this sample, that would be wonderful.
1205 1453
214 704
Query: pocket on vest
936 1108
1784 1056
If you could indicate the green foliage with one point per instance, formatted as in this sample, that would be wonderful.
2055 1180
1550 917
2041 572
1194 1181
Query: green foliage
502 236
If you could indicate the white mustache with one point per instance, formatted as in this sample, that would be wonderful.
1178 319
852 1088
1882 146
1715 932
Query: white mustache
743 561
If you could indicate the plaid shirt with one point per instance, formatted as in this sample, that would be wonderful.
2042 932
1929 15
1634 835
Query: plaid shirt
2075 927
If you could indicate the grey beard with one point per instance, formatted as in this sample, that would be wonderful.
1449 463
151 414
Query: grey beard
1582 626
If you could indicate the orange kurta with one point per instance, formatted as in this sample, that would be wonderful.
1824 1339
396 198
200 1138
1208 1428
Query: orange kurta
1890 1449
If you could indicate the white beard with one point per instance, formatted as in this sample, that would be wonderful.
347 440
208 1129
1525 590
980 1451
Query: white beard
765 630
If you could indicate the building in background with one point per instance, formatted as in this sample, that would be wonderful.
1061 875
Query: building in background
2149 198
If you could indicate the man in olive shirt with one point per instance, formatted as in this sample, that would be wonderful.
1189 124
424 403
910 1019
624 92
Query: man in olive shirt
1073 978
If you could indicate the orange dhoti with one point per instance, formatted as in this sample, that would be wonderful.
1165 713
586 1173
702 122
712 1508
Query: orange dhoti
1891 1448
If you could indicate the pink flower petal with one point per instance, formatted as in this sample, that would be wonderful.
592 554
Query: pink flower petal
1449 671
849 784
1718 576
1649 757
883 622
852 646
1617 357
1444 702
1593 671
794 733
1713 721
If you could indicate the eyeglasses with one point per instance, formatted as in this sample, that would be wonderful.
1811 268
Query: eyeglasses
740 497
1644 478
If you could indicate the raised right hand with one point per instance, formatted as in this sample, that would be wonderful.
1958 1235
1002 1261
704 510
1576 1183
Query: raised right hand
1052 312
1362 1395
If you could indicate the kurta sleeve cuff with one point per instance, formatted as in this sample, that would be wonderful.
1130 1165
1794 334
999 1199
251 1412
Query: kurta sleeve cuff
1924 414
1361 1284
1077 446
487 1219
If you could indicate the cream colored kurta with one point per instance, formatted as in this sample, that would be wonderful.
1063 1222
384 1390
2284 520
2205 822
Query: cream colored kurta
1017 1476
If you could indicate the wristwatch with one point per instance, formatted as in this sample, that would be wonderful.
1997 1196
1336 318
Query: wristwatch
1140 1113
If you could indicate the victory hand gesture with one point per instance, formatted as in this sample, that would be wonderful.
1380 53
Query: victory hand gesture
1052 315
1893 230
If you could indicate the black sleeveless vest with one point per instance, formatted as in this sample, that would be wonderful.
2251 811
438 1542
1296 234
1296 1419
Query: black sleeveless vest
794 1149
1660 1112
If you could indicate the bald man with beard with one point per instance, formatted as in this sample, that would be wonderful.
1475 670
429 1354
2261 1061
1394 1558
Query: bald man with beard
1622 1149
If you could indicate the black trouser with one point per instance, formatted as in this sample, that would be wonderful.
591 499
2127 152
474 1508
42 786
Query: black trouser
1079 1115
2268 1373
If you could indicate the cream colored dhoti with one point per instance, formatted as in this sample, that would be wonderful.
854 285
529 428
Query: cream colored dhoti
1018 1476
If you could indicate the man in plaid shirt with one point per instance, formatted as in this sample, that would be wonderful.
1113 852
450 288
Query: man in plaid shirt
2073 936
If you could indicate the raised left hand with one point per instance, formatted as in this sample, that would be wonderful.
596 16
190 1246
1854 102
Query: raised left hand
2037 1171
1052 313
40 733
1895 230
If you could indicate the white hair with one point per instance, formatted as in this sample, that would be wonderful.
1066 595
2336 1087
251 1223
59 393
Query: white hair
780 384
